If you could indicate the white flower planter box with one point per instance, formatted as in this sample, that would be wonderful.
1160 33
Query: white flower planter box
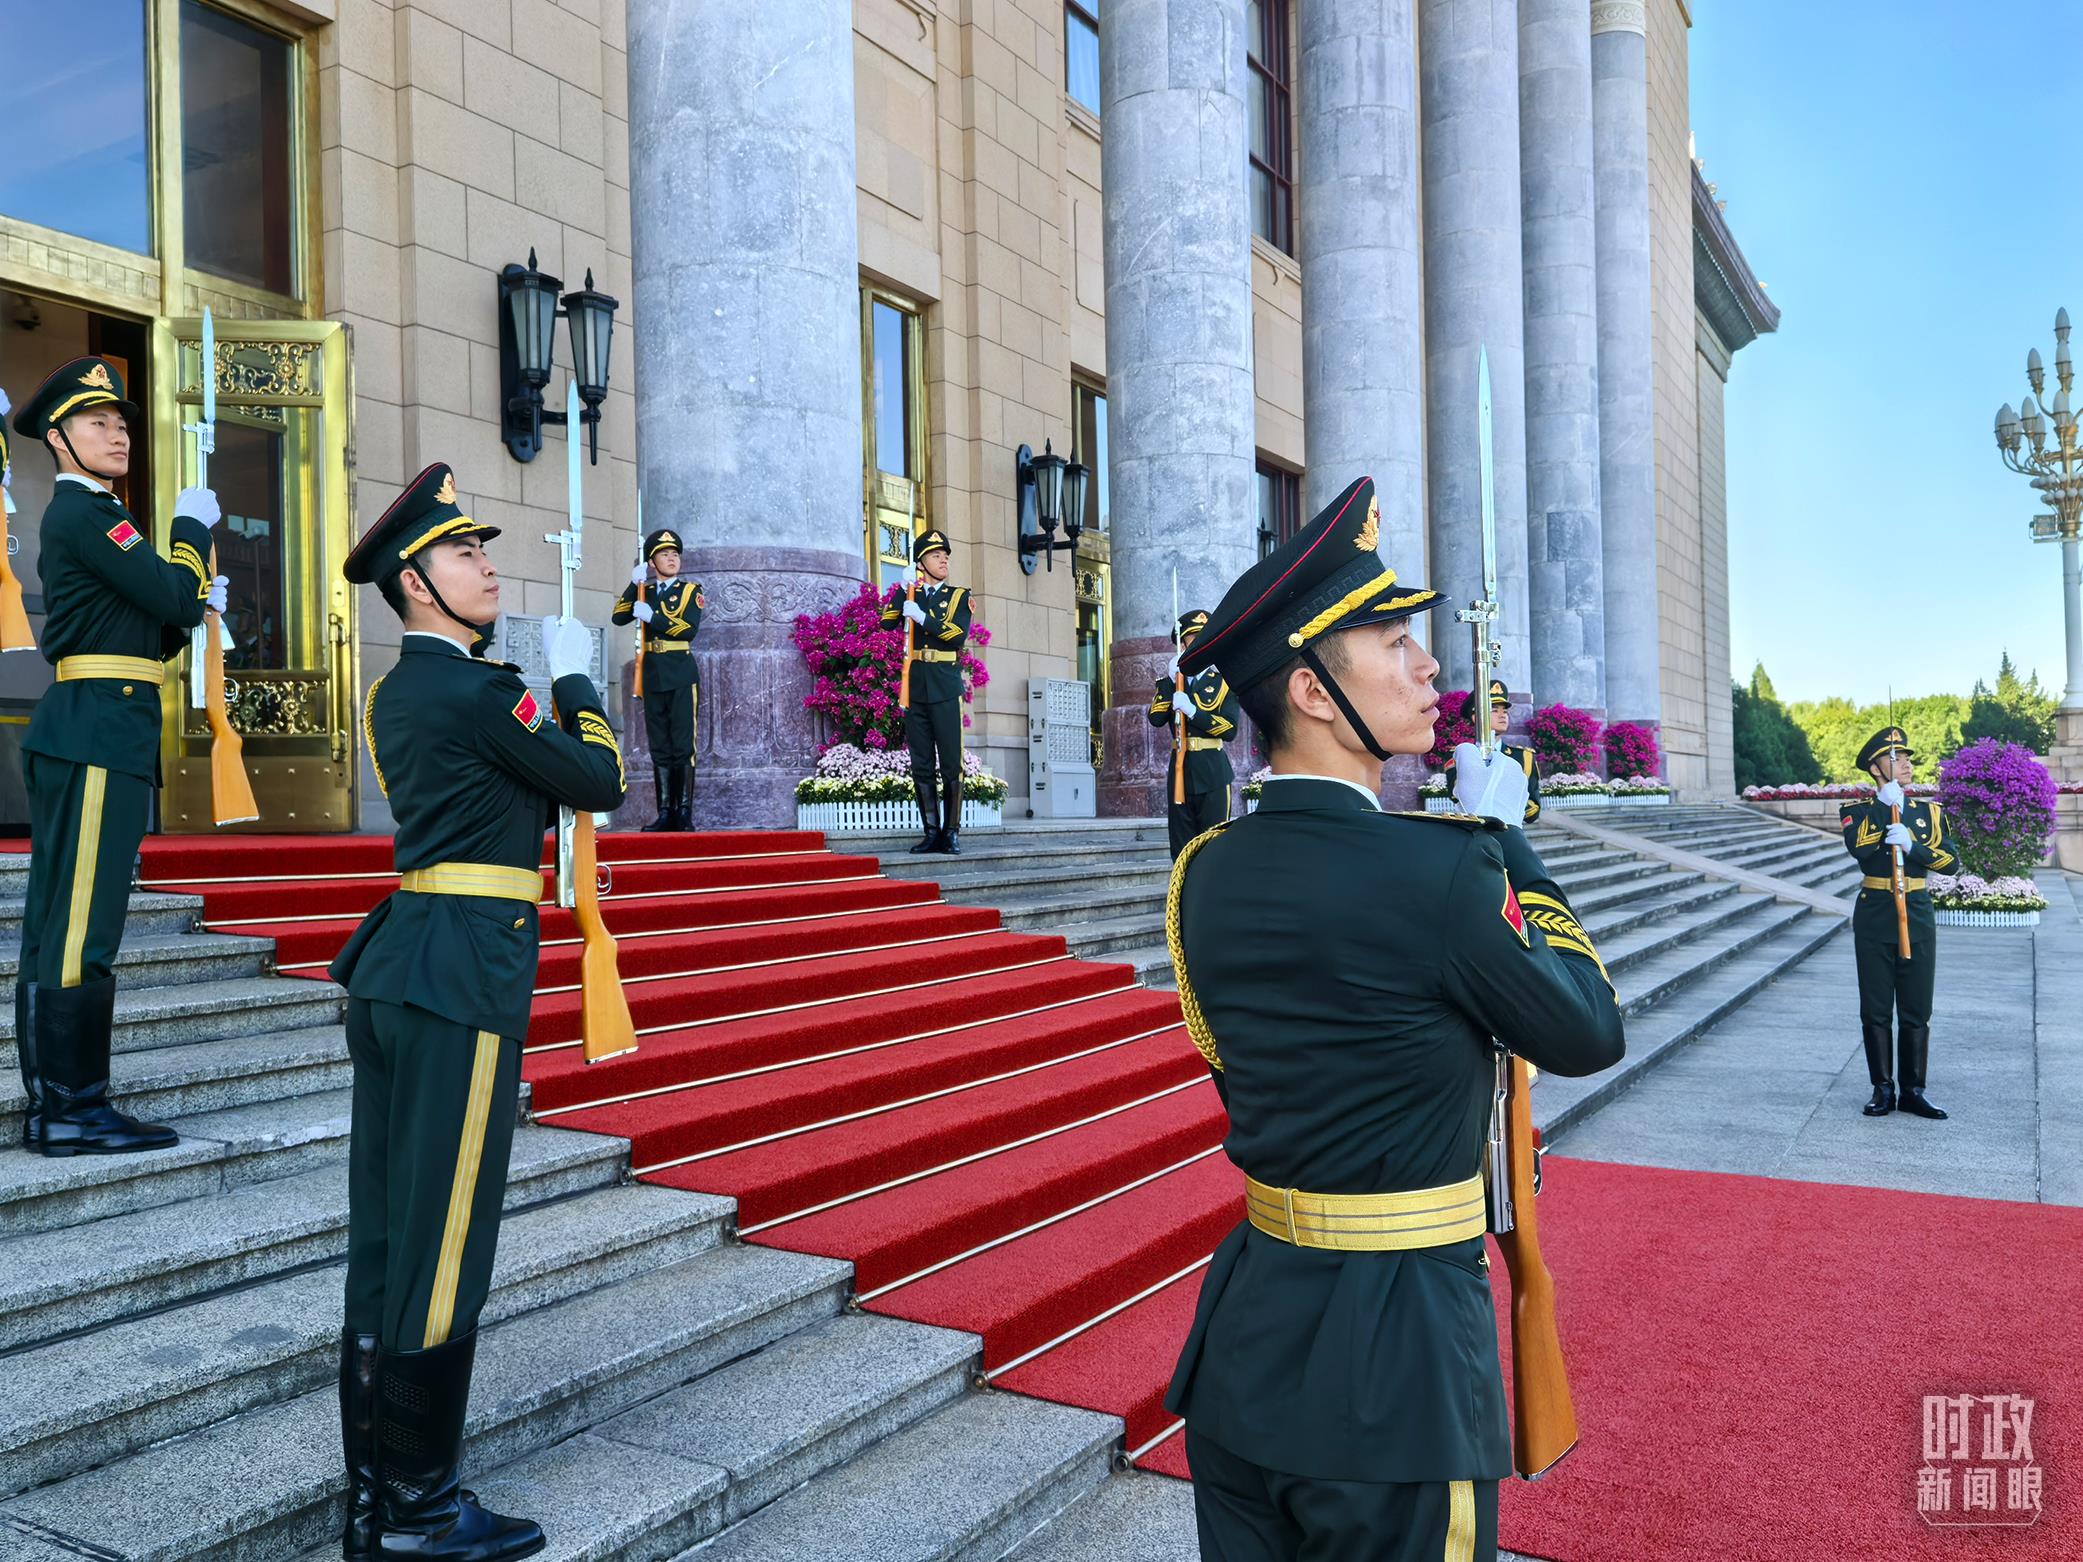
889 818
1447 805
1946 918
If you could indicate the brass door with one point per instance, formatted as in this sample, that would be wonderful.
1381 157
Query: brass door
284 403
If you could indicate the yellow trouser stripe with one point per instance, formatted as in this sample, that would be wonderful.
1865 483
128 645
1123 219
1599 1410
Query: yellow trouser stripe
441 1306
86 848
1460 1521
1368 1222
1888 884
492 880
137 669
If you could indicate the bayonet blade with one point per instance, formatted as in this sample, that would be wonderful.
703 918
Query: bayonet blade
205 430
1489 479
209 374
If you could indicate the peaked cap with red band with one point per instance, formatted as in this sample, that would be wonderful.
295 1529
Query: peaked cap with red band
1327 577
426 512
73 387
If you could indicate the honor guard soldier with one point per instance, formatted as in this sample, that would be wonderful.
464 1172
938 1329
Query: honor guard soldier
1894 993
439 978
115 613
1500 723
1343 971
936 627
671 613
1197 795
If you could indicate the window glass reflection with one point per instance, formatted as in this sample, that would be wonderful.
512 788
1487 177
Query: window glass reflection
891 392
73 104
236 143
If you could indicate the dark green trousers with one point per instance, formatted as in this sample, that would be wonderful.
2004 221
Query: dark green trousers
1200 813
1248 1513
85 823
1889 986
933 733
434 1106
669 721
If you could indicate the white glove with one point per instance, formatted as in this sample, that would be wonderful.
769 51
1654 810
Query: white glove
567 646
198 504
1496 790
6 406
215 597
1898 835
642 611
640 574
1889 795
915 613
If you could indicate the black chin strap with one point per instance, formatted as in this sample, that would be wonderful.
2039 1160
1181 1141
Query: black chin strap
106 477
1345 706
477 631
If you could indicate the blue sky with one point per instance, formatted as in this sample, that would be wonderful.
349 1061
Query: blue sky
1887 167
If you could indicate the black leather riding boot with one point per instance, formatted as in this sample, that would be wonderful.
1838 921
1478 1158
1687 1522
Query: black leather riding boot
1916 1055
1879 1048
683 784
929 812
424 1512
358 1357
25 1047
73 1026
951 810
664 821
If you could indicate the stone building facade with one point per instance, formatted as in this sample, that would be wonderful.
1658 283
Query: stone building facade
1226 253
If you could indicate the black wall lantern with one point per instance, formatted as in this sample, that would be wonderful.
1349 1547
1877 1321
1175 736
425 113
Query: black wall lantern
528 311
1052 494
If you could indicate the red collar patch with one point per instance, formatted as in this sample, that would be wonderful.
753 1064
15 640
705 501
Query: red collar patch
528 713
1514 917
125 536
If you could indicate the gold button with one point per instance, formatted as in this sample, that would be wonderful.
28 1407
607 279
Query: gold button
1294 641
520 921
126 688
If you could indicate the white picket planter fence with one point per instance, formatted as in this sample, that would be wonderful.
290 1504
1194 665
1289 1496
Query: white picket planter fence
1447 805
888 818
1987 918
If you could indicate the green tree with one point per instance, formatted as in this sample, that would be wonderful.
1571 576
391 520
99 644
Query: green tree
1834 728
1837 729
1771 750
2015 711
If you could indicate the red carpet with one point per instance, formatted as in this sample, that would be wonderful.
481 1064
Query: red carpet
1009 1141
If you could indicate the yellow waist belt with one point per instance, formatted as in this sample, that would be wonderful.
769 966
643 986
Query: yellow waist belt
1198 744
1369 1222
1889 884
136 669
491 880
668 645
936 656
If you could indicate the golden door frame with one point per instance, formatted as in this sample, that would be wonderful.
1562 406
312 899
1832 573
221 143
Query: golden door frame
294 377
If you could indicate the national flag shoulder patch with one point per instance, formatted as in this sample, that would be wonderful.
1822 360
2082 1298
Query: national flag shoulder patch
124 535
1845 822
1514 915
528 713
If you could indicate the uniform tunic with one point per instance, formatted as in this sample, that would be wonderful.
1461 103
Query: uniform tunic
439 985
672 686
91 758
1213 716
1889 986
933 720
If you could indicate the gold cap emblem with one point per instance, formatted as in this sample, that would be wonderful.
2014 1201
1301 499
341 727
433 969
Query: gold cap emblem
446 493
98 377
1370 532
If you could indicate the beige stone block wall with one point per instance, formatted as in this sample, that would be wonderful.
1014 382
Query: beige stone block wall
454 135
1276 352
1711 366
1680 579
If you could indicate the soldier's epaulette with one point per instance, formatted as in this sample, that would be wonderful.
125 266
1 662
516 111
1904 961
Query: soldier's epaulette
1470 821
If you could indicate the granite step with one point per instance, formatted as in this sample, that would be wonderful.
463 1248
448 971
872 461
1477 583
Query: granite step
1132 1517
149 913
1107 937
1723 920
167 959
213 1010
268 1483
209 1076
986 883
1060 910
969 1482
981 850
62 1281
1670 971
81 1402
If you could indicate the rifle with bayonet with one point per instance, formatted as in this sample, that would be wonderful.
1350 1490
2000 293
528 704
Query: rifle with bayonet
605 1028
231 793
1544 1422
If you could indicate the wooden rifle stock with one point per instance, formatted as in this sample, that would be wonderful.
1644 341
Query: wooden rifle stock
904 678
1901 891
1544 1422
605 1028
637 685
14 618
231 794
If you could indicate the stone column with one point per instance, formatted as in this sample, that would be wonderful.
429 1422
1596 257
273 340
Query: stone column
1181 416
1468 52
1565 563
1362 298
745 254
1626 431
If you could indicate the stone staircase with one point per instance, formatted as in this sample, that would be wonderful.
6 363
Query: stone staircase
647 1384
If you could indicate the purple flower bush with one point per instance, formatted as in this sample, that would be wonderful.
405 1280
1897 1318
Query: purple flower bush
2000 800
1631 750
1565 739
854 667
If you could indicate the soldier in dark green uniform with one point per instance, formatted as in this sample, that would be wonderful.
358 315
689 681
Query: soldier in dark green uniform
1500 724
1344 971
439 979
936 631
671 613
1212 716
115 613
1895 994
